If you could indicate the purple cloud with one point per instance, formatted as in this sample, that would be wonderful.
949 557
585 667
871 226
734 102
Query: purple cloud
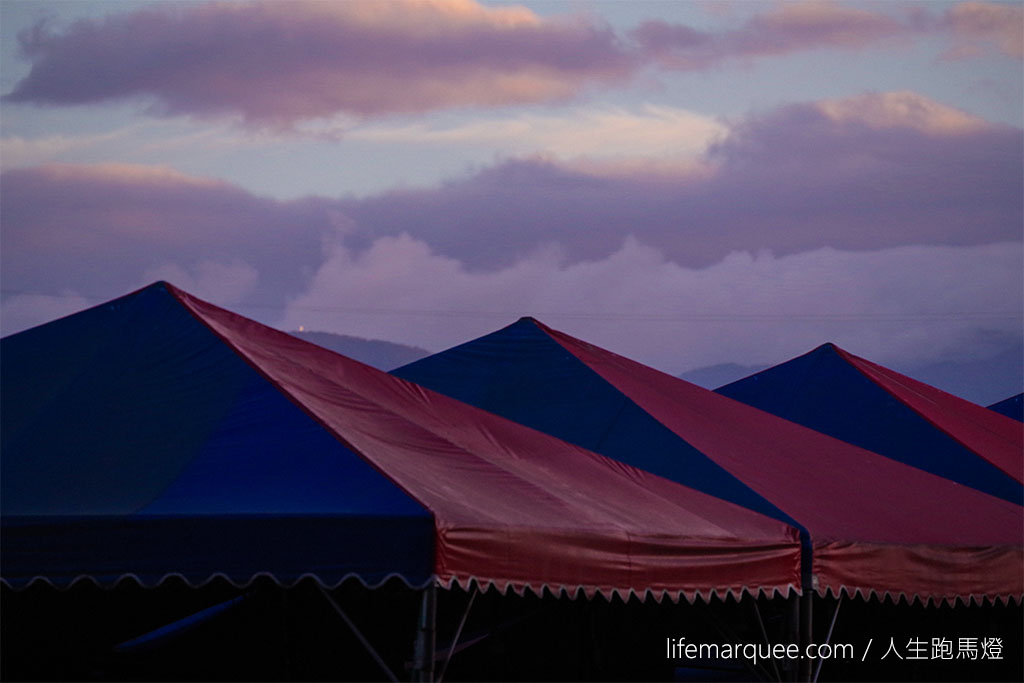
869 205
974 28
920 302
276 62
864 173
99 230
980 25
792 27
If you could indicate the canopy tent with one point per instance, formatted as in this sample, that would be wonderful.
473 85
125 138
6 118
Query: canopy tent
159 435
1010 407
837 393
873 525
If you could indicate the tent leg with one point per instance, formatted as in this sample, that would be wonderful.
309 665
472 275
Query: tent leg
828 637
794 635
455 639
764 637
179 626
423 652
806 634
757 670
285 635
359 635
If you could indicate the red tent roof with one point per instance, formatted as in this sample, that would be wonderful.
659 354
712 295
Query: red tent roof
876 526
992 436
511 507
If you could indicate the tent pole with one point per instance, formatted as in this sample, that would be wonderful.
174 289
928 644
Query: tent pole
806 633
423 652
804 606
764 636
828 637
179 626
789 666
359 635
458 634
758 670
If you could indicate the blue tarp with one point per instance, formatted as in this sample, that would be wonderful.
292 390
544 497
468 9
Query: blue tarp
161 435
868 524
520 372
133 425
1010 407
826 391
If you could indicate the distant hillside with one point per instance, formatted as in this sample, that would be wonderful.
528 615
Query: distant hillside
383 355
983 381
714 376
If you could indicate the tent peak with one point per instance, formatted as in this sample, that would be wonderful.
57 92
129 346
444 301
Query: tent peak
530 321
829 347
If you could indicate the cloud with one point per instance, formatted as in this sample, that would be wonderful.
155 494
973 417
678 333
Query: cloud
19 151
891 305
98 229
279 65
647 131
788 28
861 173
902 110
981 26
275 63
20 311
865 173
974 28
226 283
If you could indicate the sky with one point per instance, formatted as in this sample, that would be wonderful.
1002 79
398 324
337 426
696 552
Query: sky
684 183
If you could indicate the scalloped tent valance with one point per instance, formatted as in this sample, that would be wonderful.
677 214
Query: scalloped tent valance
158 435
871 525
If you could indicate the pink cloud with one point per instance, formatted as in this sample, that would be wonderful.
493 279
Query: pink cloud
902 110
278 62
977 24
791 27
861 174
816 24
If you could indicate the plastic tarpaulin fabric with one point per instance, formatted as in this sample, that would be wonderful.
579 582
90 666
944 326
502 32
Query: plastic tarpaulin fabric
876 526
288 459
837 393
134 442
1010 407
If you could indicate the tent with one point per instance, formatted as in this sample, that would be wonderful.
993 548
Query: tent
158 435
871 525
837 393
1010 407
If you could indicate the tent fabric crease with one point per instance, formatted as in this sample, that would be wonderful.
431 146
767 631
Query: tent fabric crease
875 526
158 435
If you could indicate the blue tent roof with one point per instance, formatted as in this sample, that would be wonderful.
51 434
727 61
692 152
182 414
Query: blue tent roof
137 416
1010 407
160 435
868 524
828 391
522 373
